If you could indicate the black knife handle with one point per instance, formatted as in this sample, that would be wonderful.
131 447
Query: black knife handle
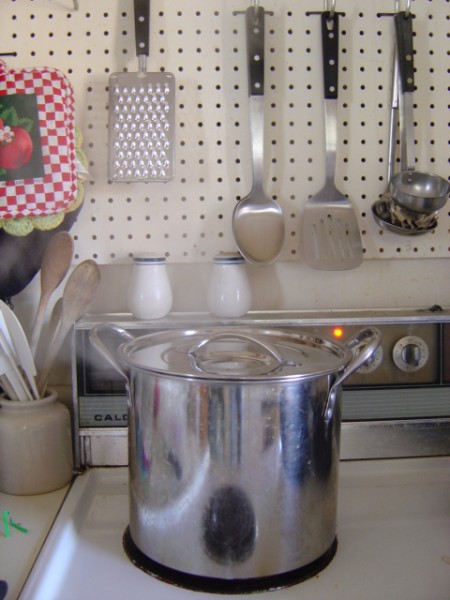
254 20
142 26
405 49
330 54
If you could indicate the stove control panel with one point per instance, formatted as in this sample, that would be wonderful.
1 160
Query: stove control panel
399 399
409 357
409 353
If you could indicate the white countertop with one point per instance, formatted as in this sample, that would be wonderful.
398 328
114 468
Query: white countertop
393 533
19 551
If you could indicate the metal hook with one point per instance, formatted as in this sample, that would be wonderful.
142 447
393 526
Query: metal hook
255 5
407 7
330 6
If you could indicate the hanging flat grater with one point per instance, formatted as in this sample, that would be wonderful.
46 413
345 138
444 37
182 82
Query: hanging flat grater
141 115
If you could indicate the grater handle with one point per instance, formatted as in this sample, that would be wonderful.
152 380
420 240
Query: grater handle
142 26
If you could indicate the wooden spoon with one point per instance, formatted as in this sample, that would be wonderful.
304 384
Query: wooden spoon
55 264
78 293
55 320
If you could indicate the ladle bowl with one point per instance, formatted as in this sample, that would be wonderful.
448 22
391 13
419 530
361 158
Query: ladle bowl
398 220
420 192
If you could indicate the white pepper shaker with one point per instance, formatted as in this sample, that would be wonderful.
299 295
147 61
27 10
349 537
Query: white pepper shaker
229 293
150 293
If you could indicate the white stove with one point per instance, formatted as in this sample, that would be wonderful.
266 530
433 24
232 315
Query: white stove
19 547
393 540
393 525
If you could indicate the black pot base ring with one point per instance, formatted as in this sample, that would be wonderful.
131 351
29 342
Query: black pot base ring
216 585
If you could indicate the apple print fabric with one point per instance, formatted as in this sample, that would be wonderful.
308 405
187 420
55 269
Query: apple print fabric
37 143
20 139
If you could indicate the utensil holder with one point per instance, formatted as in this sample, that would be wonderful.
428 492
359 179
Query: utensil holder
35 446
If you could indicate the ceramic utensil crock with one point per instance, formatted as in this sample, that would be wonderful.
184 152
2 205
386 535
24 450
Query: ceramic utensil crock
35 446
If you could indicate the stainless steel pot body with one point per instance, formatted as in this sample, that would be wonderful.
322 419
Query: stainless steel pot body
233 478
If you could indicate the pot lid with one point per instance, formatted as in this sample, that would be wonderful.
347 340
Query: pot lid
235 354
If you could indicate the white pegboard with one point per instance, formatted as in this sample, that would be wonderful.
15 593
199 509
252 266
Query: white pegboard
203 45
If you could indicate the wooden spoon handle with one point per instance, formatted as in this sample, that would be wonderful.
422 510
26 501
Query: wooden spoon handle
54 267
38 322
52 353
78 293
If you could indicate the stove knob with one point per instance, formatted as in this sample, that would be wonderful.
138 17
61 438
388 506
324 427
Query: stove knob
410 353
372 363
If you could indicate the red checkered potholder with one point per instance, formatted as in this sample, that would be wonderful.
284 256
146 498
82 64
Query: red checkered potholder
54 188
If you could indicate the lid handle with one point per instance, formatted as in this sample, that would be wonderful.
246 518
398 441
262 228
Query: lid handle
202 359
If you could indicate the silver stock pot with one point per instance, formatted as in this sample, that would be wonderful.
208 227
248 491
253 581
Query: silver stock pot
233 451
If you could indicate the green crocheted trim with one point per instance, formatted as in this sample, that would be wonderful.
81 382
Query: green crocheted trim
25 225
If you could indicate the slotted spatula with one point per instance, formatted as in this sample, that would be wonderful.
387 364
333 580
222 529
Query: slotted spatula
141 115
331 237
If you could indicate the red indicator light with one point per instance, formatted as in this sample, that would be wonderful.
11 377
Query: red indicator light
338 332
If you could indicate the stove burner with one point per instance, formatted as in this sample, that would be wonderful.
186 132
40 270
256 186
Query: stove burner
215 585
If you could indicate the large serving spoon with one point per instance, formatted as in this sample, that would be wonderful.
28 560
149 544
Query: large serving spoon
258 222
78 293
55 264
418 191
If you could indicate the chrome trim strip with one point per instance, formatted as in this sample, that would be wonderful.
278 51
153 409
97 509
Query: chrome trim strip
395 439
274 318
359 440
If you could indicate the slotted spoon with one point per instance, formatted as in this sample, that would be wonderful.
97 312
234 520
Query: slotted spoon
331 236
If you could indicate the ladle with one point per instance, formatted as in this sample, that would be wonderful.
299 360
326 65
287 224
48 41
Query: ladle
258 223
393 118
55 264
420 192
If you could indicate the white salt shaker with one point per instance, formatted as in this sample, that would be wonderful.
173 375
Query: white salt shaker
150 293
229 293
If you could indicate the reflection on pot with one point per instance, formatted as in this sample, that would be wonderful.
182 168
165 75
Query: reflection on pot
229 526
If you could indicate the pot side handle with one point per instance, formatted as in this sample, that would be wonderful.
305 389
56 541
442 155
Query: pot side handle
106 338
363 346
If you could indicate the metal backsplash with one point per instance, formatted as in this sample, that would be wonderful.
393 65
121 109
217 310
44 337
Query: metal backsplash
203 45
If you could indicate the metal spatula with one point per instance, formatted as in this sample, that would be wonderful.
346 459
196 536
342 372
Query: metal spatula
141 115
331 237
